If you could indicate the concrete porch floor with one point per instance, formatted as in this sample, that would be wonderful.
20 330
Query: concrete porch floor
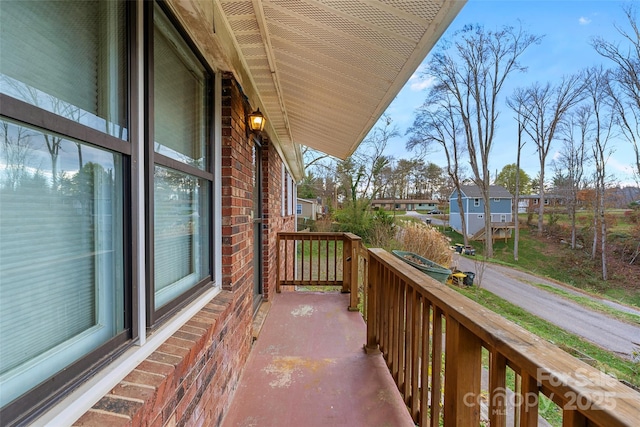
308 368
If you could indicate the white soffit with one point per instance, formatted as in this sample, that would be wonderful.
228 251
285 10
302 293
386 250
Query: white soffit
325 70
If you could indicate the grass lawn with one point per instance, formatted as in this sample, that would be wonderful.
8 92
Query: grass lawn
548 258
606 361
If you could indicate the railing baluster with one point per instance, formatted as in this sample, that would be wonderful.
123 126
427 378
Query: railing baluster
408 345
402 333
396 345
497 389
415 353
424 366
462 375
436 367
328 274
529 401
278 272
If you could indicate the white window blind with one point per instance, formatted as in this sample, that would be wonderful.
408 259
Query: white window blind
61 256
179 96
181 225
68 58
181 201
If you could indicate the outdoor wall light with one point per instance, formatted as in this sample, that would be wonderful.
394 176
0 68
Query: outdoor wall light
256 121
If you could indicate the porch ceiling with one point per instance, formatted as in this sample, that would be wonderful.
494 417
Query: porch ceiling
325 70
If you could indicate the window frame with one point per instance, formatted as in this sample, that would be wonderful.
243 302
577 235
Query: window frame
154 317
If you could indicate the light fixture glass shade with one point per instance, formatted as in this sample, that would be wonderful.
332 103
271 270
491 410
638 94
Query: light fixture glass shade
256 121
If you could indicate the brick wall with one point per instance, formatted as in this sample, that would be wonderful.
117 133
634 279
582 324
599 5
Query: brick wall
190 379
272 212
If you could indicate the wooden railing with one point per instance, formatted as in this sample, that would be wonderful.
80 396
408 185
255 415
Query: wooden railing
319 259
438 345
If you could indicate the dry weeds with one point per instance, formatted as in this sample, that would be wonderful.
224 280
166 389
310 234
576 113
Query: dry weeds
425 241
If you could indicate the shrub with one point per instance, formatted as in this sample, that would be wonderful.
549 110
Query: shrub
633 216
375 228
426 241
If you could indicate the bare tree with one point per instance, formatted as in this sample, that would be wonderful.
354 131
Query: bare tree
437 122
598 92
359 173
517 103
572 159
16 149
625 80
472 71
547 106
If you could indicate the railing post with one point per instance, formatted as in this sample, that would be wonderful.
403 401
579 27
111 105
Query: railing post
573 418
463 369
278 249
347 265
371 347
355 264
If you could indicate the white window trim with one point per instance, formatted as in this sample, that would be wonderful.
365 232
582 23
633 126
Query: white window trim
71 408
283 176
476 202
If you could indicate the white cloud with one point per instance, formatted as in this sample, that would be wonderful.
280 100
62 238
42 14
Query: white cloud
584 20
620 168
418 85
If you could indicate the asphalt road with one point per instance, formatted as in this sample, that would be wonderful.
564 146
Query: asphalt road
517 288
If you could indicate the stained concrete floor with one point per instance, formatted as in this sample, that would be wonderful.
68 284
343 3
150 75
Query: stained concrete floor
308 368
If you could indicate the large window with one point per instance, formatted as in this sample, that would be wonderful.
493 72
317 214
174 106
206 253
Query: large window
61 268
64 156
85 190
181 178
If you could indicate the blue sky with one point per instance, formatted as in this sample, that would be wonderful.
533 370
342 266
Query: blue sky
567 26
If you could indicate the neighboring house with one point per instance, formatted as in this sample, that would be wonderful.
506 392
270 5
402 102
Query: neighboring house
308 209
531 203
404 204
501 205
139 213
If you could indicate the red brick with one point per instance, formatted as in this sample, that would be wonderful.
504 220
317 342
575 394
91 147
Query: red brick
94 418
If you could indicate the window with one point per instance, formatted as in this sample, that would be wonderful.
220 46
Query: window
288 193
291 191
496 200
64 282
181 177
67 58
298 209
476 202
